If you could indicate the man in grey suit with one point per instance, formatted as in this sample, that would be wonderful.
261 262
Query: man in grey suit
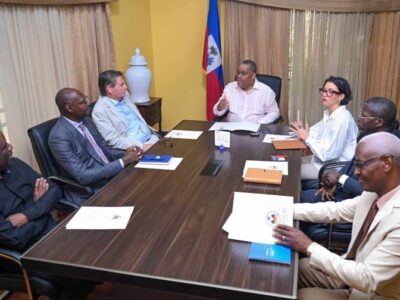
80 150
371 267
117 117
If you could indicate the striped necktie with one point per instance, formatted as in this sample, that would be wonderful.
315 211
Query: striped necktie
92 142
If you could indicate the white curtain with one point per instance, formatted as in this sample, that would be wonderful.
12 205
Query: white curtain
33 68
39 47
325 44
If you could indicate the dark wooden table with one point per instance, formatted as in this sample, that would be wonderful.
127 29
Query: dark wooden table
174 239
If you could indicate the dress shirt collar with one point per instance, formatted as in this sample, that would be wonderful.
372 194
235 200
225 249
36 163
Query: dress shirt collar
256 86
335 113
386 197
115 102
73 123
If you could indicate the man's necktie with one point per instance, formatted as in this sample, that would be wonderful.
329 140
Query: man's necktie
92 142
364 229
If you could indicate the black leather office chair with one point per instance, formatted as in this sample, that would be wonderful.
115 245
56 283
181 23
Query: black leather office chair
274 82
39 136
336 237
15 279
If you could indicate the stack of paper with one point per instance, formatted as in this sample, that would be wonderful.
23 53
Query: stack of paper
171 165
184 134
277 137
95 217
254 215
232 126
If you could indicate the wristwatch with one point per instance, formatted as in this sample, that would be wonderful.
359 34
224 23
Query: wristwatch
311 248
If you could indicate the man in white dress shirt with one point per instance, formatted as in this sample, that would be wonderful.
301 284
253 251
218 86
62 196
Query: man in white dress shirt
247 99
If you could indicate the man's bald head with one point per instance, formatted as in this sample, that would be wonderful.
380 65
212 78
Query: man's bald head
381 143
72 104
377 162
66 96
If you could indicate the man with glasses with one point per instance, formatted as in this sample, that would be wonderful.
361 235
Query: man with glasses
378 114
247 99
371 267
81 151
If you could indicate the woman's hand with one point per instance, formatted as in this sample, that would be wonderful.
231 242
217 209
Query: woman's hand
298 130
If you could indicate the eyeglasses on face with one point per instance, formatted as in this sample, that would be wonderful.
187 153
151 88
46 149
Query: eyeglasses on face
328 92
363 163
360 115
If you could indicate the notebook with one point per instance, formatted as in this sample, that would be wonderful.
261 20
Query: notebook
288 144
269 252
263 176
156 159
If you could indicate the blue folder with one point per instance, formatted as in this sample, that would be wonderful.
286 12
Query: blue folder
272 253
156 159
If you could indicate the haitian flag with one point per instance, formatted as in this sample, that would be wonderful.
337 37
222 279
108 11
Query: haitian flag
212 59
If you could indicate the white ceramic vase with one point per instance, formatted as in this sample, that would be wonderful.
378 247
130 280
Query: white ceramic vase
138 77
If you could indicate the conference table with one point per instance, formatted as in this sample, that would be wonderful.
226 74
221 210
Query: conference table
174 240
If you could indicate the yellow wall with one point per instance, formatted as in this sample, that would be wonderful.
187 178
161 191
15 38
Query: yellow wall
131 26
171 35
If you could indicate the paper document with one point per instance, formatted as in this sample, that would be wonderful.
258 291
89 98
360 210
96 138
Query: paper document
172 165
232 126
269 165
277 137
254 215
184 134
96 217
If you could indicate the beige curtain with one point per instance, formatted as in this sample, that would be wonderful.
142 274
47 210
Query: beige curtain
326 44
330 6
43 49
384 58
260 34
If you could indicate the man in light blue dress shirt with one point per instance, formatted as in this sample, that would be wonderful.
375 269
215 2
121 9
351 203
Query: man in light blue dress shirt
117 117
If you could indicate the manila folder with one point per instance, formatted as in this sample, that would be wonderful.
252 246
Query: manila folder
263 176
288 144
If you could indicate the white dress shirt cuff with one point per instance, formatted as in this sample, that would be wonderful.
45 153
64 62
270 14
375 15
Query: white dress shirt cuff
342 179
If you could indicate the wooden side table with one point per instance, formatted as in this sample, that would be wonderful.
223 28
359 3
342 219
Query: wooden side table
151 111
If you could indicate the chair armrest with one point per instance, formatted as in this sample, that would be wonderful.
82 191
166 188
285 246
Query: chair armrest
329 166
11 255
71 183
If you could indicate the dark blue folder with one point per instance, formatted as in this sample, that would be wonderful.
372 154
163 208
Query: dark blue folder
272 253
156 159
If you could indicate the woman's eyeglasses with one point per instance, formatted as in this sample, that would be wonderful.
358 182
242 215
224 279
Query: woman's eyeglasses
328 92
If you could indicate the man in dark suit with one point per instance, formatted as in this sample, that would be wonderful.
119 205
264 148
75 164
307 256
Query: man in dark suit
80 150
378 114
26 200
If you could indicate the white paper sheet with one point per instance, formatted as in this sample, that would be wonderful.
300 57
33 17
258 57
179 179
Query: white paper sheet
171 166
268 165
232 126
277 137
184 134
95 217
254 215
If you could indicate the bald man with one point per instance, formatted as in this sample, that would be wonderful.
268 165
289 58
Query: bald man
371 267
80 150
